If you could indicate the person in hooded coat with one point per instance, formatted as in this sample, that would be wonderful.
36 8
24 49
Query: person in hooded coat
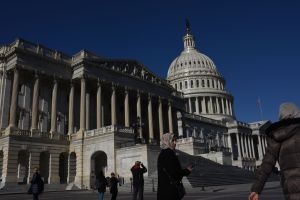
283 139
168 166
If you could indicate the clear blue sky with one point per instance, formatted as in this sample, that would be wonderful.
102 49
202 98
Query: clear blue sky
255 44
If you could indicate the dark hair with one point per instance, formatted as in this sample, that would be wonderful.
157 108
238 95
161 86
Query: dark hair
100 174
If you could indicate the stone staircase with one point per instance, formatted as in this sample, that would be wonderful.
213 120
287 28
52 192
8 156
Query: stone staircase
205 173
209 173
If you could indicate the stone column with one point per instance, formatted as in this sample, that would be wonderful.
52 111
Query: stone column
53 108
239 146
229 143
249 146
139 113
211 105
69 168
260 148
252 146
190 105
14 99
99 105
197 106
218 105
113 106
263 144
230 108
35 103
160 118
150 120
243 145
87 110
82 104
170 117
203 105
126 106
223 108
71 110
34 159
53 168
227 107
246 145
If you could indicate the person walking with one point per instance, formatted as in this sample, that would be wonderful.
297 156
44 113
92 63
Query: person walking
169 170
138 170
37 185
113 186
283 139
101 184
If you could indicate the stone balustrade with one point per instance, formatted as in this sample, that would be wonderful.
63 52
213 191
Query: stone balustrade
108 129
36 134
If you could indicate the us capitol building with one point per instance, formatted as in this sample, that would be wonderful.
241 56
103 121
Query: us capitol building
72 116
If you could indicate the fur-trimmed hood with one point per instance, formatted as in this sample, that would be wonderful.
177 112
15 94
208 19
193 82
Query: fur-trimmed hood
283 129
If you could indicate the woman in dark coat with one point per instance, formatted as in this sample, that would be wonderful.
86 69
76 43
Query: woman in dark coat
37 185
283 146
101 184
168 166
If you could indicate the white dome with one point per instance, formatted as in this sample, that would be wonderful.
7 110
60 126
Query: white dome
192 60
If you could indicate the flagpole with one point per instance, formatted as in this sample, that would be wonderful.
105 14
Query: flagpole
260 108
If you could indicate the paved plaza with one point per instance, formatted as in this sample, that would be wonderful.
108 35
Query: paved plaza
234 192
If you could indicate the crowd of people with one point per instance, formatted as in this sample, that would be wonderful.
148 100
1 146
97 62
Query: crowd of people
283 139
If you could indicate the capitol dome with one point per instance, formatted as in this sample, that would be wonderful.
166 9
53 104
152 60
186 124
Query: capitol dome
196 76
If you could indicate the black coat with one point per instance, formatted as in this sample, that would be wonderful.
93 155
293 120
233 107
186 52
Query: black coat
283 146
101 184
168 160
137 175
37 184
113 185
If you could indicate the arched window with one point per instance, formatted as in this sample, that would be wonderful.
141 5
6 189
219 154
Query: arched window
192 83
176 86
186 84
197 83
180 85
203 83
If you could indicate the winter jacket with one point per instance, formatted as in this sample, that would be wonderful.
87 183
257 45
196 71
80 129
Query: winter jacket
113 185
37 184
137 174
283 146
168 161
101 184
